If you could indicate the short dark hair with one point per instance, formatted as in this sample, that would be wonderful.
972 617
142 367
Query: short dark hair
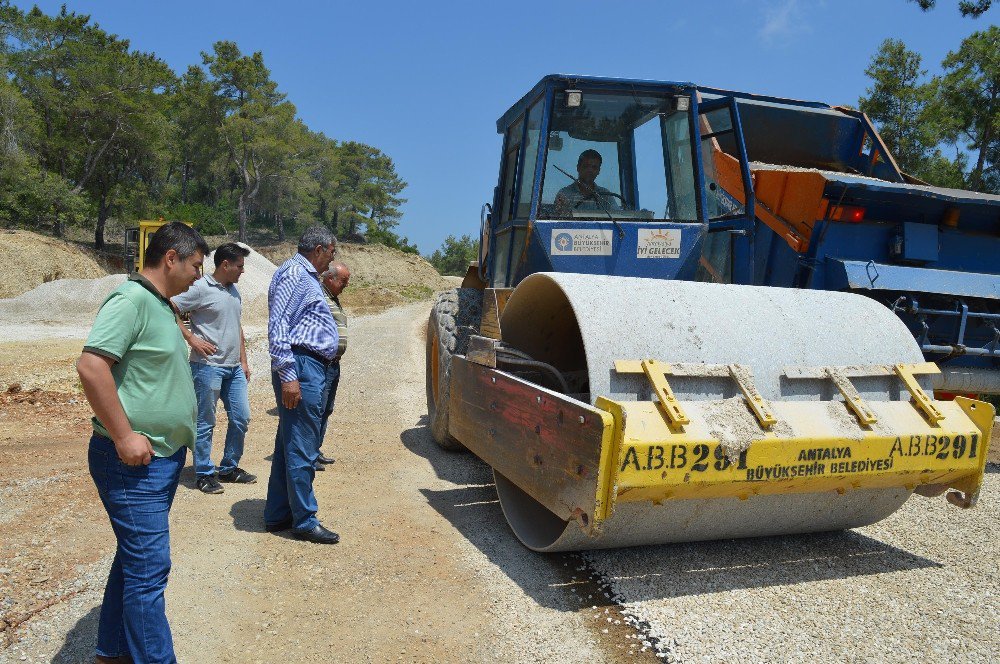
230 251
177 236
592 154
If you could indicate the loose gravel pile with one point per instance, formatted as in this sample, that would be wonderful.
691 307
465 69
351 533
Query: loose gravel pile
65 301
252 285
76 301
920 586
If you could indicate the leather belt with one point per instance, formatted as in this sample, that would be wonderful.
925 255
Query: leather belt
314 355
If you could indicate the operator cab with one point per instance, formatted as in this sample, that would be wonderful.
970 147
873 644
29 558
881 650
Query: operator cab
634 148
608 168
626 156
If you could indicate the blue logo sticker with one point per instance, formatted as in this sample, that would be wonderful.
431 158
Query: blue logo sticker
564 241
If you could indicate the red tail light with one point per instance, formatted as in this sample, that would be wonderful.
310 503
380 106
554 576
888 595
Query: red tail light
850 213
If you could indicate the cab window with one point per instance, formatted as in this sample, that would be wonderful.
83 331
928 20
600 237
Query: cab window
621 156
508 190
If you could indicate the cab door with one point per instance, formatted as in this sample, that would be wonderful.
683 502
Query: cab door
517 194
727 199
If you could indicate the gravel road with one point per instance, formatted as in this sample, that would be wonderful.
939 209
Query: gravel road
919 586
427 569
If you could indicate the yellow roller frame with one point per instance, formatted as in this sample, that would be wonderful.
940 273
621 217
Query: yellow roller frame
649 456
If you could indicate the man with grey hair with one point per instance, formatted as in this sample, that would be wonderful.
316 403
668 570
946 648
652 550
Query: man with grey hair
302 339
334 282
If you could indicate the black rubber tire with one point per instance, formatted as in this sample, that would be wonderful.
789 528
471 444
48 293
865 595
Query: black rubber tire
454 318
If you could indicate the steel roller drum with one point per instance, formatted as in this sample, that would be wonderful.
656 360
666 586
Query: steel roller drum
583 323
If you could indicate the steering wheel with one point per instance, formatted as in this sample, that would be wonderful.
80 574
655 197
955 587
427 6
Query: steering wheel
593 194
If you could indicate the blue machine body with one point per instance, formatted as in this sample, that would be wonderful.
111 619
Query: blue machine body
930 254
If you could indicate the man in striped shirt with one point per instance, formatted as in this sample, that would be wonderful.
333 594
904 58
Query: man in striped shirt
302 339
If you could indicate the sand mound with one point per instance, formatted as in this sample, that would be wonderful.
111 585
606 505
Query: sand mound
257 273
64 301
381 278
28 259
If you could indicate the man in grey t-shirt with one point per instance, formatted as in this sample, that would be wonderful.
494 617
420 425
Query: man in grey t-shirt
219 365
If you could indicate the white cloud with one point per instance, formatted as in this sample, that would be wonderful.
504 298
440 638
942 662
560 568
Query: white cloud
782 21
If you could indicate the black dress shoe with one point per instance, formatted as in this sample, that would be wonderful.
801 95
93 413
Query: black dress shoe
318 466
278 527
322 458
318 535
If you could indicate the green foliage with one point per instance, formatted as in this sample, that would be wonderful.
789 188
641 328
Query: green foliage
970 100
973 8
97 105
252 117
454 256
91 129
921 119
416 292
376 235
941 171
29 196
368 190
219 219
196 171
900 103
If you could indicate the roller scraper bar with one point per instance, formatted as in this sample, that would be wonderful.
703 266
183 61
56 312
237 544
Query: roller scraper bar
905 372
945 443
656 370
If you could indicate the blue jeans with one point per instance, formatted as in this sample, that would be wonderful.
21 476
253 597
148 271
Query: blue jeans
137 499
296 446
329 397
210 384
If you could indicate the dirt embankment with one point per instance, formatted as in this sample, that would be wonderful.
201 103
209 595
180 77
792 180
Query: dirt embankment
52 289
381 277
48 281
28 259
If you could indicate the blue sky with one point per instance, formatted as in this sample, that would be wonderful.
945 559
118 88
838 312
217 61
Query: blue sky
426 81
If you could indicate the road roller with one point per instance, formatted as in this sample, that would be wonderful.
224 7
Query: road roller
699 314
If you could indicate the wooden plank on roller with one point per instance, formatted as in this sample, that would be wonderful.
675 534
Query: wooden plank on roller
545 443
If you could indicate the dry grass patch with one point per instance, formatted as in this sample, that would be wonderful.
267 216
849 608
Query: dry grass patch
372 265
28 259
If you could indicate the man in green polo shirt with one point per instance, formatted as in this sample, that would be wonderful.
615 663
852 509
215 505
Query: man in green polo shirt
135 374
